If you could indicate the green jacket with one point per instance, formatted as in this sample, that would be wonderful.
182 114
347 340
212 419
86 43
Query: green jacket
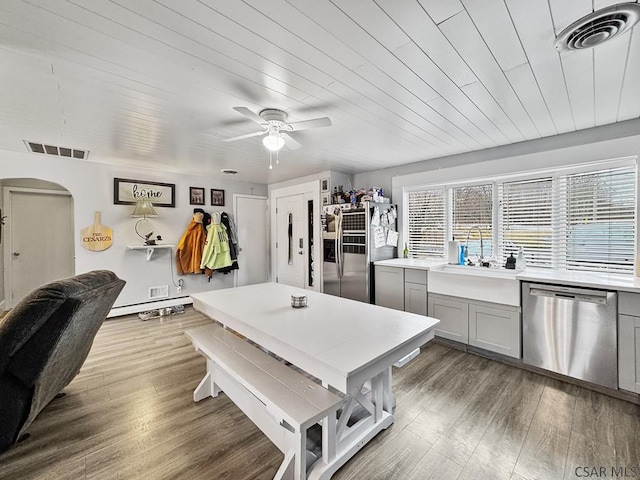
216 252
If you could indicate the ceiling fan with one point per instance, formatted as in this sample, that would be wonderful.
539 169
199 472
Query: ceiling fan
275 127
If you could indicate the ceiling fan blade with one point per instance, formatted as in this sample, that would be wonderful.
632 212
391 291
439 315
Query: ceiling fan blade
249 114
246 135
313 123
290 142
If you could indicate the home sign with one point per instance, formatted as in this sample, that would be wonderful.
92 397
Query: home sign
128 192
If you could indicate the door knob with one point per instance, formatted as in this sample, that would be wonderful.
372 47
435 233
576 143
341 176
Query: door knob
16 254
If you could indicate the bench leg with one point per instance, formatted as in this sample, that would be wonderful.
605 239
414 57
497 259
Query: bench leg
206 387
286 470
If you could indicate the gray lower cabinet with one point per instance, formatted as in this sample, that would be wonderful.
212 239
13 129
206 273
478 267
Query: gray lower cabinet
629 342
389 287
629 353
484 325
495 328
415 291
453 315
415 298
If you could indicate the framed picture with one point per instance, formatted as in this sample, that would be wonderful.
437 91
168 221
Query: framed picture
196 196
217 197
324 185
127 192
325 199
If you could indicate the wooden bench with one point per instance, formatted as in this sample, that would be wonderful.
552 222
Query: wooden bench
283 403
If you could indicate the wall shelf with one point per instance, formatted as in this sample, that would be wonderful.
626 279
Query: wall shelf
149 248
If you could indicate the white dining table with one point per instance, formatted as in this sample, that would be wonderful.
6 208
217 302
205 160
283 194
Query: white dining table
348 345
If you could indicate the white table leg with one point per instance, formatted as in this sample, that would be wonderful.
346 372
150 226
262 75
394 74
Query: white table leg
389 399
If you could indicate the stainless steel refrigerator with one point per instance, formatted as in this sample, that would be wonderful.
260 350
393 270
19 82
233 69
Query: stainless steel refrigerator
349 246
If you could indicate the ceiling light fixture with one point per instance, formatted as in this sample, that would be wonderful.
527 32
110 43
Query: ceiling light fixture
273 141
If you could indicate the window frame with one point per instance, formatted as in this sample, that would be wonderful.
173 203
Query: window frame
555 174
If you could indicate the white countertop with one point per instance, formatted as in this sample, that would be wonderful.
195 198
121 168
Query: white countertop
611 281
416 263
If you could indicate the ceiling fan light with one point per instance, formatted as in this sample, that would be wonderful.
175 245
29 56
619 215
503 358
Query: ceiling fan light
273 142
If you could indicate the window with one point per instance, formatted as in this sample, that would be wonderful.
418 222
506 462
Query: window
472 207
426 230
571 221
526 220
599 225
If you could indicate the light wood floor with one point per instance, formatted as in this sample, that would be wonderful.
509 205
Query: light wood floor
129 414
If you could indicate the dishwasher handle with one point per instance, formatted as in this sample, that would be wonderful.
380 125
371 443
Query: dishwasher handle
571 294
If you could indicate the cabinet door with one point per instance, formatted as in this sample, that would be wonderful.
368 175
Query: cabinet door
453 316
389 288
495 329
415 298
629 353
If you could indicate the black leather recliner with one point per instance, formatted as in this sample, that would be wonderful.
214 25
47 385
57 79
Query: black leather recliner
44 340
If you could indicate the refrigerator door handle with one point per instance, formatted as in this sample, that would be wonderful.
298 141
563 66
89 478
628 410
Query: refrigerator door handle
339 253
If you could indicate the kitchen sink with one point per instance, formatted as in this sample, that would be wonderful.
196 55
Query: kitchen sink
495 285
474 270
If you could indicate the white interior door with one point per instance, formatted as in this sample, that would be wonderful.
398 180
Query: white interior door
251 220
290 240
40 240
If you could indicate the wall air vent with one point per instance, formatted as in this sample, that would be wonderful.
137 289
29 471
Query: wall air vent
158 292
57 151
598 27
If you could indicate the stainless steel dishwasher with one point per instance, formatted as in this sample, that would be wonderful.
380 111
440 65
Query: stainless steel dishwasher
572 331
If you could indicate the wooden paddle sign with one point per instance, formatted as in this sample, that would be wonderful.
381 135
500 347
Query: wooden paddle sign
96 237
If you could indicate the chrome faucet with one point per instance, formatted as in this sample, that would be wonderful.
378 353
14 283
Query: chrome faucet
477 227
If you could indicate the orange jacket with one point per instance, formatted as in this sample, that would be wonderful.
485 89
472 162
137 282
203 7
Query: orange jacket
190 247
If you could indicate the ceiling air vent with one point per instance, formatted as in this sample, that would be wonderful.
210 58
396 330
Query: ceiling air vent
229 171
598 27
57 151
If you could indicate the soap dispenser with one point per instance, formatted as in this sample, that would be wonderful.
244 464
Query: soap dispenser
511 262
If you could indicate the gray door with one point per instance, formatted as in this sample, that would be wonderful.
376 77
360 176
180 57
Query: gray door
40 240
251 221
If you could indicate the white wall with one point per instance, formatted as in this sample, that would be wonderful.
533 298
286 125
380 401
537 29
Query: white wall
575 146
604 143
91 185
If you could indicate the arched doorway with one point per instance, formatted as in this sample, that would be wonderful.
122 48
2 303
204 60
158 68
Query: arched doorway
37 238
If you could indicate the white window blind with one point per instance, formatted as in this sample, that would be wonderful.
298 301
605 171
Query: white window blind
426 229
573 221
526 218
472 206
598 230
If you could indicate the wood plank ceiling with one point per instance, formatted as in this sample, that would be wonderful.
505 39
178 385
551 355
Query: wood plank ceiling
152 83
